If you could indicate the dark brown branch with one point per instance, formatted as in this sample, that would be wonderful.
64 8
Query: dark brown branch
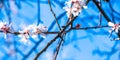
56 32
86 28
51 41
59 46
45 48
57 49
101 10
54 15
17 33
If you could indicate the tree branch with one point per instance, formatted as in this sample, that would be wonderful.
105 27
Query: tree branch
56 32
57 49
54 14
101 10
86 28
51 41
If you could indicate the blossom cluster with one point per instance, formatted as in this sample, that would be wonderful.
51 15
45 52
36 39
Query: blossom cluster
5 28
115 27
74 7
29 31
32 31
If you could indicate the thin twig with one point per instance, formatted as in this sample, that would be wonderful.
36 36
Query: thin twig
57 49
100 17
59 46
86 28
56 32
101 10
54 14
51 41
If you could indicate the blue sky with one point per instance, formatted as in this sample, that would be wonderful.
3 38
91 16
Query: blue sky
92 44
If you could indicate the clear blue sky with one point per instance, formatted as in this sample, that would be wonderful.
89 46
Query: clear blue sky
93 44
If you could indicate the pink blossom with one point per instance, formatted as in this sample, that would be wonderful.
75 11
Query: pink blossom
33 31
74 7
5 28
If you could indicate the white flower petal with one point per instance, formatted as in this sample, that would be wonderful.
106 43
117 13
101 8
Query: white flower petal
34 36
43 35
5 36
110 24
24 40
75 6
85 7
117 39
110 31
116 30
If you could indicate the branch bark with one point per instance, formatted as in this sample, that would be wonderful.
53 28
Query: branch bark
101 10
54 14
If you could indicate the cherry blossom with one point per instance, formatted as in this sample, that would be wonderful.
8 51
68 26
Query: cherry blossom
74 7
38 30
32 31
110 24
5 28
115 27
24 39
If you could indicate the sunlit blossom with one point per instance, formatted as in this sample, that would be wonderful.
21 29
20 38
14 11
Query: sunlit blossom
115 28
74 7
33 31
5 28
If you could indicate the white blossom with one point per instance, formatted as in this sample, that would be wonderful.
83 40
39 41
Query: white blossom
5 28
115 28
74 7
110 24
24 40
85 7
32 31
35 36
117 39
39 30
2 24
42 28
25 33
